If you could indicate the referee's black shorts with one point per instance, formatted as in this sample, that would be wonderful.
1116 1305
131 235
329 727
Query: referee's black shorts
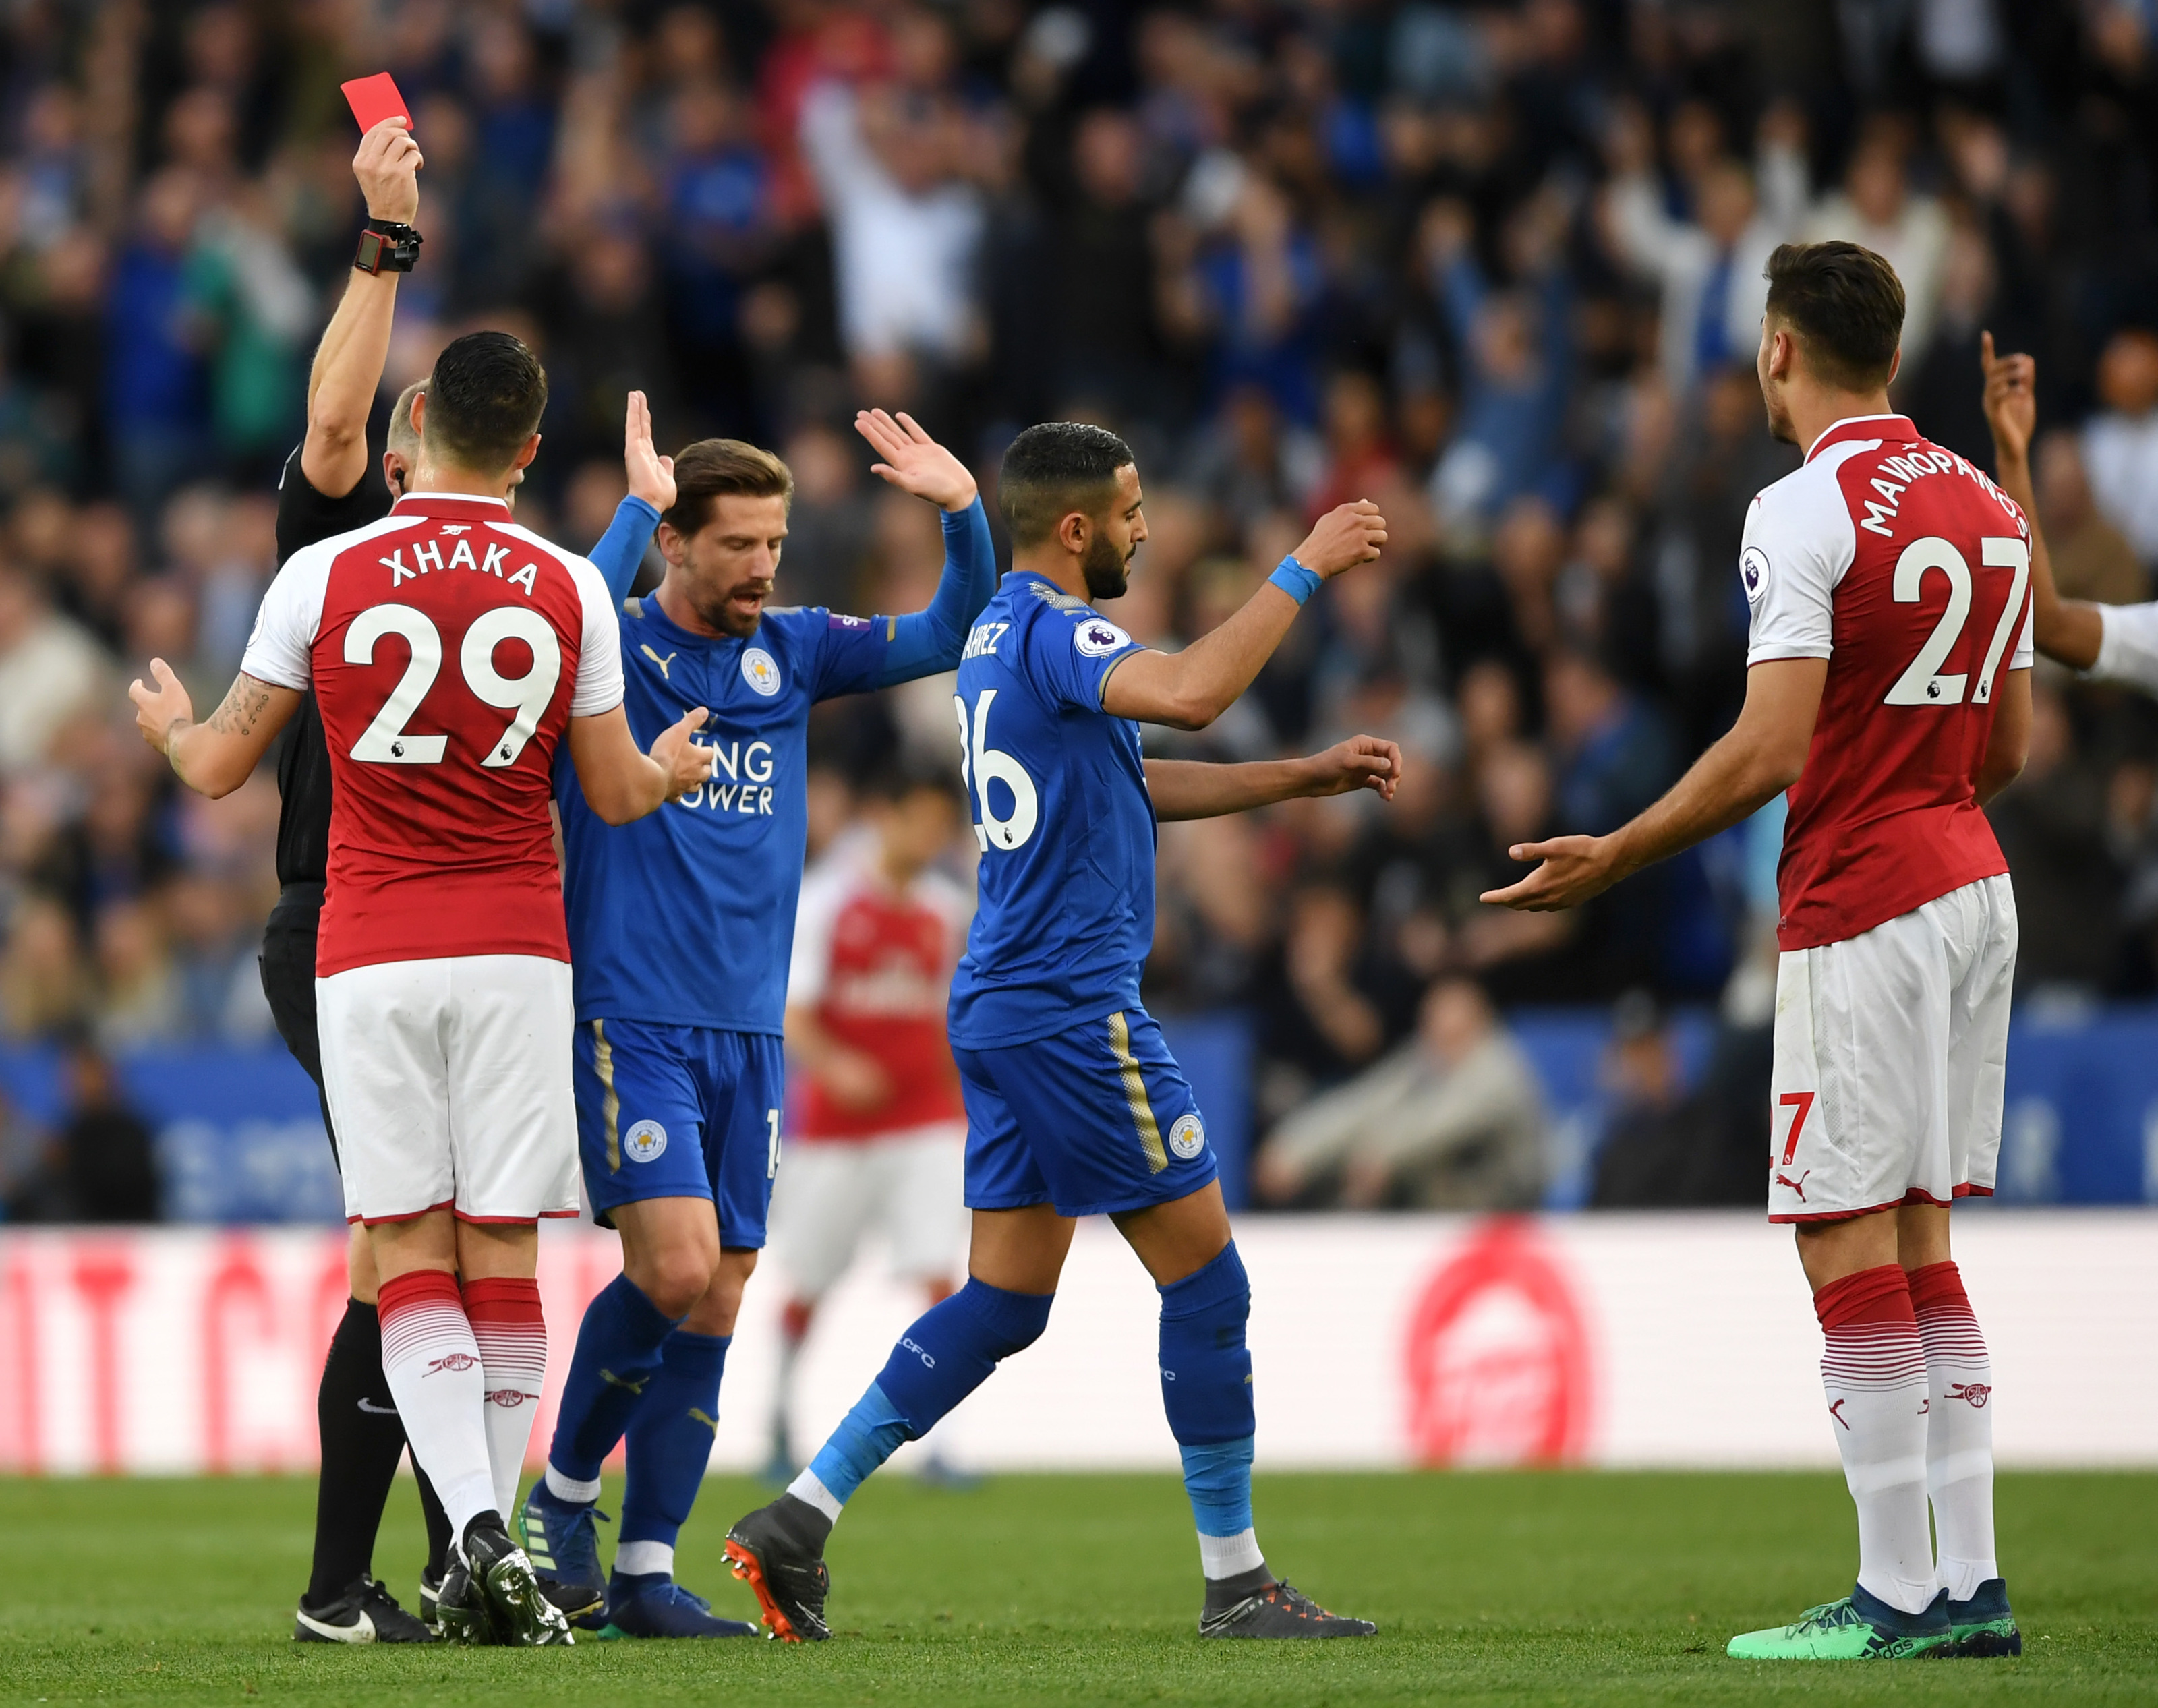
288 980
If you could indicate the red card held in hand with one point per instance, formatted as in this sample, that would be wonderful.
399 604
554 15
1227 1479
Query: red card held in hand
374 98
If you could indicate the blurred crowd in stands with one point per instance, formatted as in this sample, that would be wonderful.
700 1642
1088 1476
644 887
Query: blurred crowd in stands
1496 266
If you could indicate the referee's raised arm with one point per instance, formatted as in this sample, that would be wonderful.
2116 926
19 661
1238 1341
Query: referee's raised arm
355 346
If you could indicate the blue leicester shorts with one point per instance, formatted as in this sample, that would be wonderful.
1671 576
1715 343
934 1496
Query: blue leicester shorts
680 1111
1095 1119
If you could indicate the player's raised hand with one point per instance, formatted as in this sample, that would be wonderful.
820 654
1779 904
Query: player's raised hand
1360 762
162 709
1569 870
2011 399
915 462
651 476
686 764
1345 536
388 165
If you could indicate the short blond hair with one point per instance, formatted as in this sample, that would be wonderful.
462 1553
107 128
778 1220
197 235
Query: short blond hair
403 437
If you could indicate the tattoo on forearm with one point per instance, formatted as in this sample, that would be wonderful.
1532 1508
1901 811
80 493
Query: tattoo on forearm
244 705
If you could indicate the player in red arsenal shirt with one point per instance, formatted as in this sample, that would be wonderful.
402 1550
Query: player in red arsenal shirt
451 653
878 1136
1888 689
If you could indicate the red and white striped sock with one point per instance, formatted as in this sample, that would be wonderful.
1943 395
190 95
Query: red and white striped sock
1960 1428
513 1350
1875 1374
433 1366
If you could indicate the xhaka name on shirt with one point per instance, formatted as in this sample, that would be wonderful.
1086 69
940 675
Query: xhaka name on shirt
427 556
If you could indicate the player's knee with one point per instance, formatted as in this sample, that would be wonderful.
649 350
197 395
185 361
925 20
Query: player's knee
1010 1322
1214 1292
1206 1365
675 1278
715 1312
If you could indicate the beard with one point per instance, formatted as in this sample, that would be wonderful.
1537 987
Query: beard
1107 569
1780 425
722 614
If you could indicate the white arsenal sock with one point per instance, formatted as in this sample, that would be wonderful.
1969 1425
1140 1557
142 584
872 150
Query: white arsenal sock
1960 1428
433 1366
513 1354
1875 1374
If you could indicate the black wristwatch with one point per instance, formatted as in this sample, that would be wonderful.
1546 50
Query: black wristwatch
386 246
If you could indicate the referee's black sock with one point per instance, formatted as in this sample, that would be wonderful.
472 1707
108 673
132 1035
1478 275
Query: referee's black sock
362 1438
439 1534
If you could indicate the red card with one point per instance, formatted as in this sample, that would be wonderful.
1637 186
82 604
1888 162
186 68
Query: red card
374 98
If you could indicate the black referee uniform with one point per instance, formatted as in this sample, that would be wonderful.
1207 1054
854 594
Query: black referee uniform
304 517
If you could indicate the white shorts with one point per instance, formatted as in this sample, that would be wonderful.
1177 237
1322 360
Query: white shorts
909 1185
449 1083
1890 1052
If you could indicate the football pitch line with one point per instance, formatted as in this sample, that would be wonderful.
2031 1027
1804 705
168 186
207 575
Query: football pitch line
1498 1587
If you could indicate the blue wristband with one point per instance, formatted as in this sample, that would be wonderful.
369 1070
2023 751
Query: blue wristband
1294 580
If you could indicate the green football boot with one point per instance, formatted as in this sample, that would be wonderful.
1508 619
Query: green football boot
1861 1627
1982 1628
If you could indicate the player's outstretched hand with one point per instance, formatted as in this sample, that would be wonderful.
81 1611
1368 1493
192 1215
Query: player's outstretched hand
651 476
915 462
388 165
160 710
1572 870
1360 762
2011 399
686 764
1346 535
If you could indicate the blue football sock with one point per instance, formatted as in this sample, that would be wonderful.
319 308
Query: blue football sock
1217 1476
1206 1390
867 1436
670 1439
944 1356
617 1357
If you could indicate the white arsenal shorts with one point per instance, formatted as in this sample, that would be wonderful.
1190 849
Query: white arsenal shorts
910 1186
449 1082
1890 1048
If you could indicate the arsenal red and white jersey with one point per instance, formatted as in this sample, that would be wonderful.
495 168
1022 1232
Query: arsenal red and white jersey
448 649
1909 571
875 964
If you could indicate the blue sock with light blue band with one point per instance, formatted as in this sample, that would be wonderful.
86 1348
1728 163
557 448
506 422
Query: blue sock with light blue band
670 1448
617 1357
867 1436
1294 580
944 1355
1217 1476
1206 1390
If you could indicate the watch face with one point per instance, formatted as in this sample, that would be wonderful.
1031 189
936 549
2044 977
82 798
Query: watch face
370 258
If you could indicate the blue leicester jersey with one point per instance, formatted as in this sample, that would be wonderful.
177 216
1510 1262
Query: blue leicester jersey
1059 797
686 917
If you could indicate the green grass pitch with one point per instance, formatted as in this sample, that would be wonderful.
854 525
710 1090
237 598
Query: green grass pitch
1488 1588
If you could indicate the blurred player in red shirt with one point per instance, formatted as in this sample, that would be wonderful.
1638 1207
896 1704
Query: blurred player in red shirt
1888 689
879 1133
451 653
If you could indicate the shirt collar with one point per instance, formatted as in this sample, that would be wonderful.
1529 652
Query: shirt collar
1863 427
470 506
649 608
